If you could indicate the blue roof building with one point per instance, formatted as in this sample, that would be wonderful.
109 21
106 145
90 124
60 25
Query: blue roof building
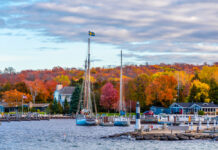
185 108
158 110
2 109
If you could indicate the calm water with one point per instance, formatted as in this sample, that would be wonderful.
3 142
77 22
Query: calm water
44 135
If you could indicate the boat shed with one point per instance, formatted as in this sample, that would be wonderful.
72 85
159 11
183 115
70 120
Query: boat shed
158 110
1 108
186 108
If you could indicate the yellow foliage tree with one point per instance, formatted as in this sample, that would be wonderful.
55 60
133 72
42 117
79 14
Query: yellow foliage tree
63 79
199 92
207 73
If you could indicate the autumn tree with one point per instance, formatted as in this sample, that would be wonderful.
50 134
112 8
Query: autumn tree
38 91
21 87
161 91
135 89
14 97
199 92
63 79
207 73
109 97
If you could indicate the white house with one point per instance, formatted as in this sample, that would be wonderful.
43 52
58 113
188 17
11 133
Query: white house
63 92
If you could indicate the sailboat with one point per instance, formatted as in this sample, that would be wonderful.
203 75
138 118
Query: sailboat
121 120
85 116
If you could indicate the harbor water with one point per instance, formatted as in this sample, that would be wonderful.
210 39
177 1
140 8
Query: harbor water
65 135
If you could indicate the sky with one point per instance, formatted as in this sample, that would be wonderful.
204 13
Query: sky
41 34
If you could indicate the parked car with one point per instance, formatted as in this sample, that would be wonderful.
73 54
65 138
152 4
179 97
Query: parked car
149 112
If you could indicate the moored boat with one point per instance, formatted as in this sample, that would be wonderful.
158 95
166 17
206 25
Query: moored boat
106 121
83 120
121 120
86 117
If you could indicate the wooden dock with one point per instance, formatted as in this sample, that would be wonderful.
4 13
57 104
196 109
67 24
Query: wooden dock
26 118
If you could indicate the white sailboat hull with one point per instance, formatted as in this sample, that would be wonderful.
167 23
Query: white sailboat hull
121 121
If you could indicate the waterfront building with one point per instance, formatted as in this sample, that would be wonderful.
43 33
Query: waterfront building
158 110
1 108
4 107
9 108
191 108
41 107
63 92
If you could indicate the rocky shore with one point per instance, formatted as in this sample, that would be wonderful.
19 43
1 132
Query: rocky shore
165 136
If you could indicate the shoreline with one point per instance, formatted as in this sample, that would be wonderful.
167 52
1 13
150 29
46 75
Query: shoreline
165 136
169 135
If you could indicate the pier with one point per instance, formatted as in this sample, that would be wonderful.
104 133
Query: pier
18 117
169 134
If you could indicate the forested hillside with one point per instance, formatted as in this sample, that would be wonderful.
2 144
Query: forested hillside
150 84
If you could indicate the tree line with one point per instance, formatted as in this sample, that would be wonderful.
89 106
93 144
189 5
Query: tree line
159 85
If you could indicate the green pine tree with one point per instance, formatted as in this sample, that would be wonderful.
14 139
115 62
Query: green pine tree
60 108
75 99
55 107
50 107
193 93
66 107
196 77
213 93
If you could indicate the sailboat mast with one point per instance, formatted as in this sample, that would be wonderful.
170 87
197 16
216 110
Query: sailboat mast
178 87
88 71
121 83
85 86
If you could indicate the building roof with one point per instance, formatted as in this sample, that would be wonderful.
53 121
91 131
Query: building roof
206 104
186 105
40 105
68 90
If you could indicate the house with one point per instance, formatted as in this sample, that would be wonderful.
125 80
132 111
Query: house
63 92
4 107
1 108
186 108
9 108
41 107
157 110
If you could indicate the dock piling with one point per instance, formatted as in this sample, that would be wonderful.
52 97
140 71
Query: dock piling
208 125
138 120
191 126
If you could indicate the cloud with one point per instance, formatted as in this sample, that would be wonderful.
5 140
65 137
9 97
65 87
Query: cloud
155 27
2 23
47 48
96 60
172 58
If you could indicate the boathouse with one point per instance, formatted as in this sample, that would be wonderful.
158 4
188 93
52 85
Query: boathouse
158 110
4 107
191 108
63 92
41 107
1 108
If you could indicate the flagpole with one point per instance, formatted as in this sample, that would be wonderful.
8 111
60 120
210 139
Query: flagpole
22 105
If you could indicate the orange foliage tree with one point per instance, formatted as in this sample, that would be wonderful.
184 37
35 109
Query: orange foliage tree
38 90
161 91
14 97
